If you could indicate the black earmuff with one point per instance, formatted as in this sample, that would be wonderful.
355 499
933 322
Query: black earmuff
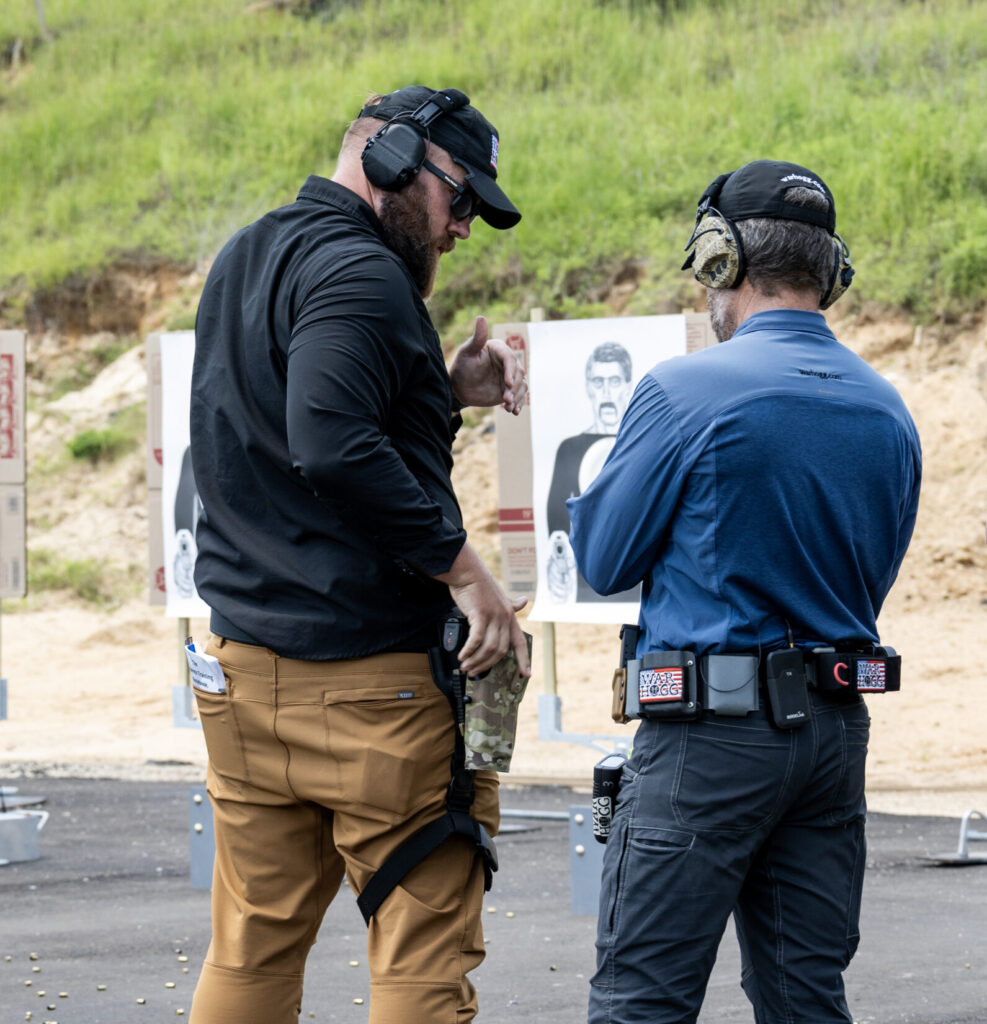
394 155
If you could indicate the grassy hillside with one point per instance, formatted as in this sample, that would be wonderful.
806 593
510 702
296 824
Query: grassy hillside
157 128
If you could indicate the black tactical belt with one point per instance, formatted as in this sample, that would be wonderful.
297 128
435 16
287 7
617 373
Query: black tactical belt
679 685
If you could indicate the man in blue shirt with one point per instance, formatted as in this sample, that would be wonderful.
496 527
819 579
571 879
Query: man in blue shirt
764 493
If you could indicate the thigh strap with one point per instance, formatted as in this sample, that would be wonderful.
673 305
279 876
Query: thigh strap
457 821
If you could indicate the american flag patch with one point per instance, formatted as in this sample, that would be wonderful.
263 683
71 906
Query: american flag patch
659 684
870 676
494 150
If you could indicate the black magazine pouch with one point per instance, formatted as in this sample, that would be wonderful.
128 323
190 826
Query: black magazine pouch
662 684
730 683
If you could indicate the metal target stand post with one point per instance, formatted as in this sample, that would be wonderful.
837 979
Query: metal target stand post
963 857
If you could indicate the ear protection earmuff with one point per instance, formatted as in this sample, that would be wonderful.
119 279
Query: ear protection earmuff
842 273
394 155
717 257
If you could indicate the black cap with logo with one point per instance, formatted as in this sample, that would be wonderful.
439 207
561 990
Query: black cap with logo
467 136
758 190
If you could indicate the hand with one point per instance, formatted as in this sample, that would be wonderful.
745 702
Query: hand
485 371
492 615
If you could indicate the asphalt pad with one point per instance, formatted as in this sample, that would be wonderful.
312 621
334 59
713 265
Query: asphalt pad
106 928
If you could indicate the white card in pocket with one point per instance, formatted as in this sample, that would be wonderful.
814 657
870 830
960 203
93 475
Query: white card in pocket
205 670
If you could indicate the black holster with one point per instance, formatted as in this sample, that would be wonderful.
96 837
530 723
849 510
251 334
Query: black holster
443 661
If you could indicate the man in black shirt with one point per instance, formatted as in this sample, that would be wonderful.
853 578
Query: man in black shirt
330 548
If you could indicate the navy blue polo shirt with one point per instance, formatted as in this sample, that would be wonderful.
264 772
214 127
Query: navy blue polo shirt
772 480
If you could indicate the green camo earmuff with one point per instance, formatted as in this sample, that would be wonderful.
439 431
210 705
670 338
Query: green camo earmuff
717 254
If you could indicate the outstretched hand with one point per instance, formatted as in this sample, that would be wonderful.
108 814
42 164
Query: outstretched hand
485 372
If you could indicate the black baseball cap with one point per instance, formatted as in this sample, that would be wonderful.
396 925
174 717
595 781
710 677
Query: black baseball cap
758 190
467 136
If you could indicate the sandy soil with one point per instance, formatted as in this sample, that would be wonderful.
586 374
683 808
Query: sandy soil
89 690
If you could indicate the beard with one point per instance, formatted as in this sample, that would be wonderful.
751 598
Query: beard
404 218
721 313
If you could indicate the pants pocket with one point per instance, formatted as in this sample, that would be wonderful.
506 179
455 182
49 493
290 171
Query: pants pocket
613 866
849 800
224 742
392 749
731 777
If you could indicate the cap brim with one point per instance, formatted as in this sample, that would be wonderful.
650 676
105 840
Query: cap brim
495 208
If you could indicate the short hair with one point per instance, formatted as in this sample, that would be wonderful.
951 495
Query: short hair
362 128
788 253
610 352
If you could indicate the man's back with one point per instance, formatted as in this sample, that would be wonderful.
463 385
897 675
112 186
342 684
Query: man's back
765 491
309 327
772 469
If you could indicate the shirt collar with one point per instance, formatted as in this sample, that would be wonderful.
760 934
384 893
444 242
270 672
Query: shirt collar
322 190
803 320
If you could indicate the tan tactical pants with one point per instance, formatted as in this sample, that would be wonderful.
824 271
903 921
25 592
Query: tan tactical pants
316 769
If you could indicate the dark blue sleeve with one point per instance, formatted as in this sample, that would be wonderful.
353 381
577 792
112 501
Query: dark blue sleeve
620 521
356 341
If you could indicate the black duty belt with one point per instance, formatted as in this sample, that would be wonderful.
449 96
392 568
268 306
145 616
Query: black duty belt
681 685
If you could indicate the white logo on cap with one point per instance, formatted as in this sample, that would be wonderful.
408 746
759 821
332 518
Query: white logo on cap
801 177
494 150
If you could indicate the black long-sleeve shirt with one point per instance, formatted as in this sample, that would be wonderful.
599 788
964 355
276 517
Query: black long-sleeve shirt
322 429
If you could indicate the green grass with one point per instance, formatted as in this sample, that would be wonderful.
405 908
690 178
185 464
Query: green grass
162 127
104 444
86 578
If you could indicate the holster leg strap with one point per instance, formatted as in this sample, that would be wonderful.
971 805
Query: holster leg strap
416 848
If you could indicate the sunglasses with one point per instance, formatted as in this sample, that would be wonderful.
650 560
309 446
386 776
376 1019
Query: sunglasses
465 203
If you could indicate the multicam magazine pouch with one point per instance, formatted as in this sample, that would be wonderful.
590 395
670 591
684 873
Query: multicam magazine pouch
491 714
